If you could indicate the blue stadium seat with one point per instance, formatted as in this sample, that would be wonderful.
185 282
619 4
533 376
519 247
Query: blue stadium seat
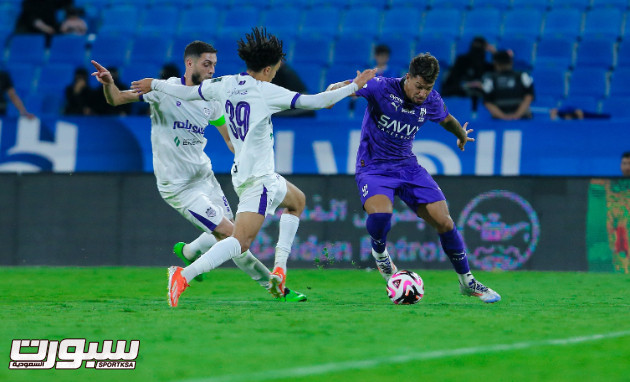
440 48
619 83
500 5
541 5
357 108
226 46
549 81
523 49
240 20
482 22
379 4
353 50
363 20
133 72
32 102
69 49
110 50
54 78
446 22
230 66
341 111
457 4
617 107
584 102
8 16
588 82
574 4
27 48
392 21
189 28
563 22
338 73
523 23
160 21
311 75
323 22
24 76
284 22
555 52
603 23
620 5
597 52
151 49
311 51
402 49
459 107
121 20
623 55
544 101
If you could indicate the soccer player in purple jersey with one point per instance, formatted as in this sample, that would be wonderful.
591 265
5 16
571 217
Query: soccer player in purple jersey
386 165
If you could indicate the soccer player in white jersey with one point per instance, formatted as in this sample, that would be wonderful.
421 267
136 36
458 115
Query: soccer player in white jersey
249 99
183 171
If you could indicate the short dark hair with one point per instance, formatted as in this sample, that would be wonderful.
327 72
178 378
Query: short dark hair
260 49
197 48
382 49
626 154
502 57
425 66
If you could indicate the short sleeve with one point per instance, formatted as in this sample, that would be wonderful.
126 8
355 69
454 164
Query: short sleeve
367 91
211 89
151 97
216 111
278 98
437 110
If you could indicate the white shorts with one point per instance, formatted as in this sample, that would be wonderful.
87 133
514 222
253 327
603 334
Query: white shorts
202 203
262 195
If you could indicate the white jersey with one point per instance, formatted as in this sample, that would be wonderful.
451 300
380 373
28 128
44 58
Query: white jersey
177 137
248 105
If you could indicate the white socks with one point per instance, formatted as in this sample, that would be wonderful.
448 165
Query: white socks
380 256
288 228
200 245
220 253
465 278
249 264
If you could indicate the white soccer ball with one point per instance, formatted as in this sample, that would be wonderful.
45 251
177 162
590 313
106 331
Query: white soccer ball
405 287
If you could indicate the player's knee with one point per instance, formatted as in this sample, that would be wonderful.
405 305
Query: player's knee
445 224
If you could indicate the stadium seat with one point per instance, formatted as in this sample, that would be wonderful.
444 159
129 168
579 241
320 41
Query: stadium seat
500 5
584 102
110 50
321 22
392 21
192 30
68 49
555 51
226 46
620 5
311 75
121 20
133 72
363 20
311 51
151 49
574 4
525 23
445 22
27 48
456 4
440 48
357 108
24 76
482 22
549 81
563 22
603 23
338 73
54 78
617 107
8 15
541 5
401 48
341 111
588 82
459 107
284 22
240 20
32 102
597 52
354 50
619 83
544 101
379 4
160 21
523 49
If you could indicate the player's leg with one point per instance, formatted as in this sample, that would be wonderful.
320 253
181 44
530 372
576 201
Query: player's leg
377 196
293 202
438 216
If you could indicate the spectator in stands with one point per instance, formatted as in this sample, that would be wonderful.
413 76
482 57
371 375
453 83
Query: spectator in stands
382 54
169 70
508 94
79 95
625 164
101 107
40 16
289 79
6 88
570 113
464 77
74 23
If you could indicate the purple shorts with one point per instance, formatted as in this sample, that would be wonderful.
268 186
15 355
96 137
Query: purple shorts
413 185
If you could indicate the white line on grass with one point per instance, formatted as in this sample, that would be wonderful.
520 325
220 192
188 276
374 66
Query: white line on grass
332 367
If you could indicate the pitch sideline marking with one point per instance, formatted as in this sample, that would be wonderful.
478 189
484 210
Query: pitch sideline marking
332 367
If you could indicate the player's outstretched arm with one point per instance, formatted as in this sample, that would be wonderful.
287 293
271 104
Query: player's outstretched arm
328 98
451 124
186 93
113 95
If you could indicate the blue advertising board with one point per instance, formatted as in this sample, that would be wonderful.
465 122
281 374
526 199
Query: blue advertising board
323 146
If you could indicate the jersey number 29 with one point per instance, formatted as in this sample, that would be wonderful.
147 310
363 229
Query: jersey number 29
239 118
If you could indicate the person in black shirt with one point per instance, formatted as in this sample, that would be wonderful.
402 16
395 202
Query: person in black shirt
507 93
78 94
6 88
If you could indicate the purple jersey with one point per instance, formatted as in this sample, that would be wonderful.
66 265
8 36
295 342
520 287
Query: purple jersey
391 122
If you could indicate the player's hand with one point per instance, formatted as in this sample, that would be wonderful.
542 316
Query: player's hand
102 75
142 86
363 77
462 142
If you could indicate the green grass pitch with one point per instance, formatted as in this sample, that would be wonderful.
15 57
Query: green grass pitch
229 329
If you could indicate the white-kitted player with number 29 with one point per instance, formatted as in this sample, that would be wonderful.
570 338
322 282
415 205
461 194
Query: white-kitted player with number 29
249 99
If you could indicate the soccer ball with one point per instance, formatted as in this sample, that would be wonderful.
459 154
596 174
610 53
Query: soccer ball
405 287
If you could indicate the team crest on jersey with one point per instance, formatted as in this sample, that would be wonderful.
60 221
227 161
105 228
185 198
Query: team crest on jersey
211 212
423 112
206 111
